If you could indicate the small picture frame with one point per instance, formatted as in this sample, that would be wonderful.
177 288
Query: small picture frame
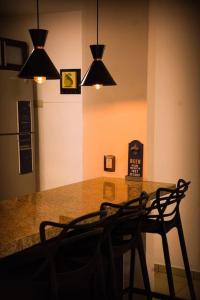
70 80
109 163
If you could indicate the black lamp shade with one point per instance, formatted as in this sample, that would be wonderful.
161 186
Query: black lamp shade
39 64
97 72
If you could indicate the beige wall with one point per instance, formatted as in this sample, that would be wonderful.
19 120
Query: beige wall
60 117
173 113
114 116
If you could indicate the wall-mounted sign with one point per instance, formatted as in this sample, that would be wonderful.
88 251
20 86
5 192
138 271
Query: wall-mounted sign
135 160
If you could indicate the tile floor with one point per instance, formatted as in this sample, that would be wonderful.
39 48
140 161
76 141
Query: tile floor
162 287
160 282
180 285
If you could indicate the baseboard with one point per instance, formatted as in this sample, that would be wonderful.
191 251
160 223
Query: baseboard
176 271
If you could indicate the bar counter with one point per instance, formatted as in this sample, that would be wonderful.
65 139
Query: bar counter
20 217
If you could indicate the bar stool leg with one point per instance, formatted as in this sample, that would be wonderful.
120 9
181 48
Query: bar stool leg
54 286
132 273
168 266
116 292
143 263
185 259
102 279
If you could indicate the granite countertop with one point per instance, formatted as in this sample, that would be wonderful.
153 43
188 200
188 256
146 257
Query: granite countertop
20 217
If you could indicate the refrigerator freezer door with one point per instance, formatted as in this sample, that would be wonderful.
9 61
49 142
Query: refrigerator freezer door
12 89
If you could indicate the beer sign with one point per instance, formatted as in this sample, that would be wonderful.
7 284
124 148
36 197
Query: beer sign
135 160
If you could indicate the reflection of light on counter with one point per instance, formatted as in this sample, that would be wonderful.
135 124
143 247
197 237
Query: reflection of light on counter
109 191
64 219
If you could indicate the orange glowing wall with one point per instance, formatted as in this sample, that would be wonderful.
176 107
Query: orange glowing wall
114 116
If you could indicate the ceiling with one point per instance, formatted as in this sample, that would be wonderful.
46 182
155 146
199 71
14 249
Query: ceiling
21 7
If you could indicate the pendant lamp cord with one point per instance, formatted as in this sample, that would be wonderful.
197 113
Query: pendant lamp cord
38 25
97 22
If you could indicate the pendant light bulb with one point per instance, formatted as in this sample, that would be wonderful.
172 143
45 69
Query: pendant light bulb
98 86
39 79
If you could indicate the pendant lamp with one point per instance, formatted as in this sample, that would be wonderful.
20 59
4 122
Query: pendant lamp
97 75
39 66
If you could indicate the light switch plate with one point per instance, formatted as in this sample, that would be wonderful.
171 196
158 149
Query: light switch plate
109 163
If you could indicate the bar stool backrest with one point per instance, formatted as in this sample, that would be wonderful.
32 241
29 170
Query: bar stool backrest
167 201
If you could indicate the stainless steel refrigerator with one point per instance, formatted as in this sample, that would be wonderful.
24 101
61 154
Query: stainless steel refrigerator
17 137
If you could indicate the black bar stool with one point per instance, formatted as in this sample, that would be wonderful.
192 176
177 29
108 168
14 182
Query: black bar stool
75 259
162 216
125 235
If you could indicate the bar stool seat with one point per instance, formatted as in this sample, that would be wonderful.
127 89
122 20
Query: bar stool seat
152 226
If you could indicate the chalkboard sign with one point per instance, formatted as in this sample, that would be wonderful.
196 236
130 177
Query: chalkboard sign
25 137
135 160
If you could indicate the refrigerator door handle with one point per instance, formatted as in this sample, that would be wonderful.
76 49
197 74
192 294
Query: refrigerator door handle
17 133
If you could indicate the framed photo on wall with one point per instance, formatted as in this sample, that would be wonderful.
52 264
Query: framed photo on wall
70 80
